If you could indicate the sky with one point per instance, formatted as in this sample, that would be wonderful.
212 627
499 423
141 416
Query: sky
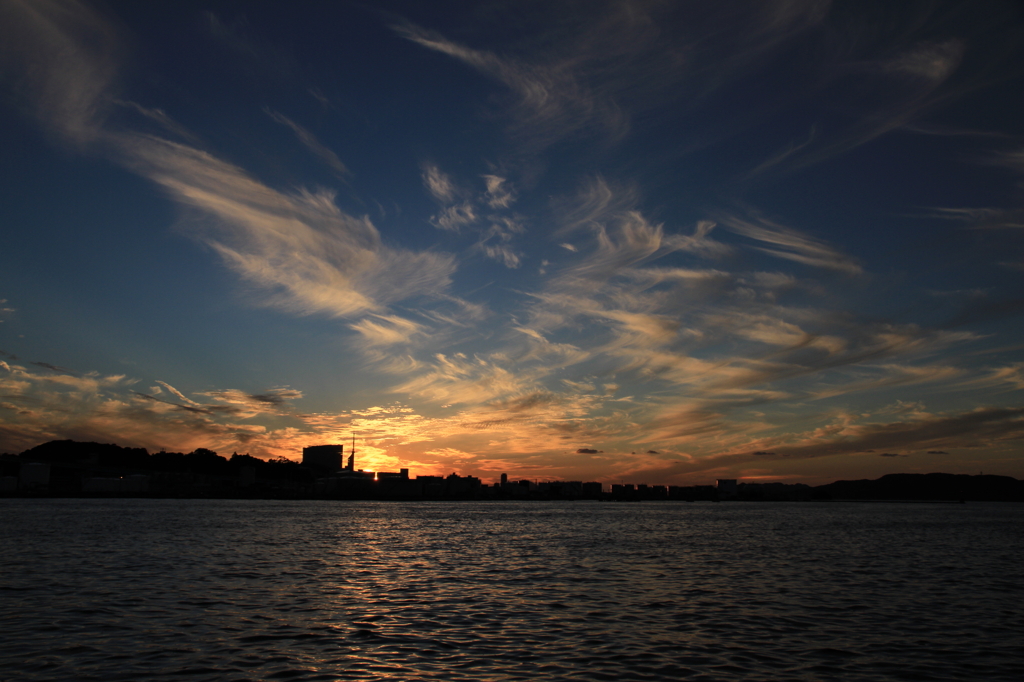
640 242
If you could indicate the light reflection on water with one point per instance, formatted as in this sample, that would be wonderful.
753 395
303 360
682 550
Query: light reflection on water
233 590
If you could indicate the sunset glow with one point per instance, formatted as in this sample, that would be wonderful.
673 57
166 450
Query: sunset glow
644 242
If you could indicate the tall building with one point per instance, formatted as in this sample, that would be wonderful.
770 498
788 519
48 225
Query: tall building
726 487
323 458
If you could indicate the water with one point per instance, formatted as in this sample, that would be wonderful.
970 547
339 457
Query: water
266 590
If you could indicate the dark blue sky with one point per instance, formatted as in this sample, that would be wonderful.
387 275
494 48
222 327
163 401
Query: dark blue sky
766 240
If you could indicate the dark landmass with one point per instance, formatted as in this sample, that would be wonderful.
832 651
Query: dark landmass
76 469
952 487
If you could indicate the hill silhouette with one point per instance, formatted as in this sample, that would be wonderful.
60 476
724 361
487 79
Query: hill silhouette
949 487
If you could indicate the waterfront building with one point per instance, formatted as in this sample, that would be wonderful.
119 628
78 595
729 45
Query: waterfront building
34 476
726 487
323 458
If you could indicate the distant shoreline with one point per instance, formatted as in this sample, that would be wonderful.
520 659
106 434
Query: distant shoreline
521 500
72 469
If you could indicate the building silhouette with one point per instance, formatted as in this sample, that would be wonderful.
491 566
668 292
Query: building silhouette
323 458
87 469
726 488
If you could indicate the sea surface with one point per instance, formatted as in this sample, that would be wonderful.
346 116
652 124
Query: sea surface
140 589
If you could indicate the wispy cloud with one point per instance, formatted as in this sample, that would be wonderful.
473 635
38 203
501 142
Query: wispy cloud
160 117
54 368
587 73
550 100
496 240
790 244
69 55
439 184
930 61
311 143
596 202
625 240
249 405
990 217
461 379
177 394
309 256
500 193
791 150
304 253
889 80
1005 378
455 217
487 213
985 426
386 330
983 218
104 408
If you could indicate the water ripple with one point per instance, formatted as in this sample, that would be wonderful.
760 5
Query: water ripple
269 590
